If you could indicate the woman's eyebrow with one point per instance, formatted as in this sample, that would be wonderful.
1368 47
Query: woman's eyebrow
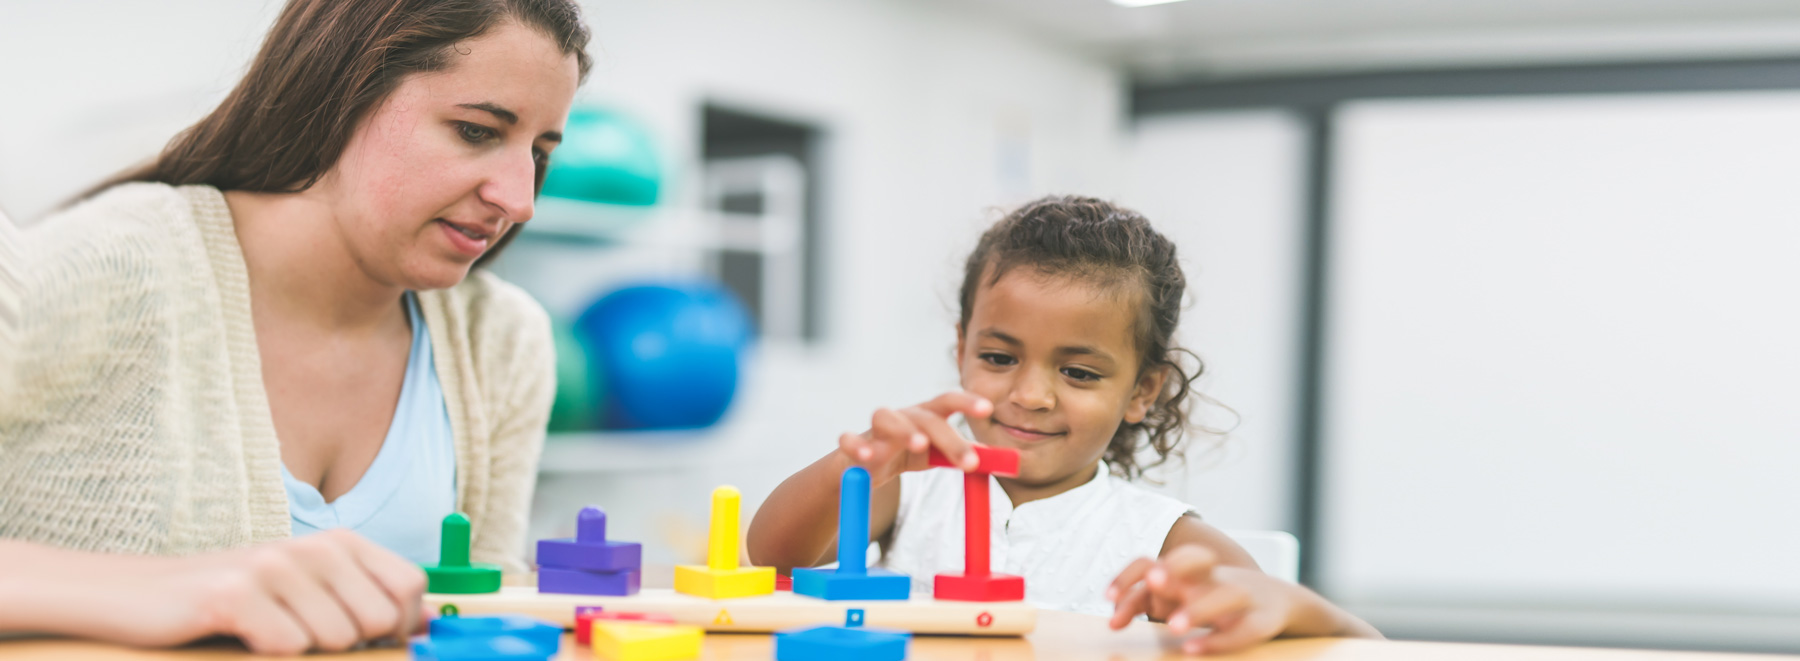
511 118
496 110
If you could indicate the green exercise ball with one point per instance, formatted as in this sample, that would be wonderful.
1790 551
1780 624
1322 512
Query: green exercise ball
578 386
604 157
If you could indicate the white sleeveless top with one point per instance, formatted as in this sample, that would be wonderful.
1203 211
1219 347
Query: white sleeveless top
1068 547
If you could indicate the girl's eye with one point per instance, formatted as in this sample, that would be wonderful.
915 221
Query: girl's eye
998 359
1079 374
473 133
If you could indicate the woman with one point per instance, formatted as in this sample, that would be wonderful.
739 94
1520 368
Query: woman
274 329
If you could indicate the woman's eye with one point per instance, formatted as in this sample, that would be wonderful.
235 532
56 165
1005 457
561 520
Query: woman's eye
997 359
472 133
1079 374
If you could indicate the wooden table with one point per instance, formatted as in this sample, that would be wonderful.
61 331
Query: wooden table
1059 636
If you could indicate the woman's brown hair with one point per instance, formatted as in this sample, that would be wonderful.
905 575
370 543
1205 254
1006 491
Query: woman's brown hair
1097 241
325 65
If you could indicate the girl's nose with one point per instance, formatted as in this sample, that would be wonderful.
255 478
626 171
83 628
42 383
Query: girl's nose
1033 390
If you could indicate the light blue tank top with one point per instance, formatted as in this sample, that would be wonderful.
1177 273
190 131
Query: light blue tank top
402 500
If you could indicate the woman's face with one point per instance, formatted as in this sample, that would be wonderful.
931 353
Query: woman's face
437 173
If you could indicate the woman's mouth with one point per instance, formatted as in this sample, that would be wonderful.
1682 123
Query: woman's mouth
469 241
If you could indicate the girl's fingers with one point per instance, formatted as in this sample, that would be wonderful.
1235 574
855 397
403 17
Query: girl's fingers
1255 627
889 429
941 435
1130 576
326 619
958 401
1134 601
1180 570
1210 607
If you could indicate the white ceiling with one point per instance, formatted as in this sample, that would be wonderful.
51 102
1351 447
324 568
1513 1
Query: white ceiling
1229 37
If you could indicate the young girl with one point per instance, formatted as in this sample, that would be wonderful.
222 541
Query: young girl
1065 350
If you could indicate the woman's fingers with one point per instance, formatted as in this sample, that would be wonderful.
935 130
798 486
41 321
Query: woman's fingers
288 574
255 617
383 589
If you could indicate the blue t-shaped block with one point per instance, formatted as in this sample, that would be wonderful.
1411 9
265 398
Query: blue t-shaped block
589 550
840 644
852 579
544 635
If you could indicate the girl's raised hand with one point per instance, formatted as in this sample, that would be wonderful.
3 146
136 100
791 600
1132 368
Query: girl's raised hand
899 441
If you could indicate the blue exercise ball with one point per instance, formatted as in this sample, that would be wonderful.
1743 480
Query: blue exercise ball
671 353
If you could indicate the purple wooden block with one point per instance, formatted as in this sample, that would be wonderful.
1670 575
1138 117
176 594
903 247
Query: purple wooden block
588 549
576 581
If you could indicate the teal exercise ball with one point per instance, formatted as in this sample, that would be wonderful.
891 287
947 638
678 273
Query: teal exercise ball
672 353
604 157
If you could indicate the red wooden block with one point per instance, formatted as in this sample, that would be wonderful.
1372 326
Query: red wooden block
784 583
584 621
993 461
984 587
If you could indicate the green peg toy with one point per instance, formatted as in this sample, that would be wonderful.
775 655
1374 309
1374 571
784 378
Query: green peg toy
454 574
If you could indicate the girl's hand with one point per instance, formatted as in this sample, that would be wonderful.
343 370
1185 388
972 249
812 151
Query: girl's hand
899 441
1188 589
326 592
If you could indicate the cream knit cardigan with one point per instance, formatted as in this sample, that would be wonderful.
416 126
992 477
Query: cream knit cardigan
134 418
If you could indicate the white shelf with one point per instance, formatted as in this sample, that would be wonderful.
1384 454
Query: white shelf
636 452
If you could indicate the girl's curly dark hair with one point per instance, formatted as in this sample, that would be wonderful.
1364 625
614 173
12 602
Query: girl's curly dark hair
1100 242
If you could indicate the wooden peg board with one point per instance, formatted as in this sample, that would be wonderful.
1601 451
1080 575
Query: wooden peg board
763 614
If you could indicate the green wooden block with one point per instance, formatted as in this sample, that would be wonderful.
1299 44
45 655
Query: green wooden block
454 574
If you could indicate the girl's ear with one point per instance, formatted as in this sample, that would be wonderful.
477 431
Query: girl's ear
1149 387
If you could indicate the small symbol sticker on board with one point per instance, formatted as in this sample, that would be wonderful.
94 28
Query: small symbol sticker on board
984 620
853 617
449 610
723 618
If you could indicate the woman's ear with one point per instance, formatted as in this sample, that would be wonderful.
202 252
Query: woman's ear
1144 395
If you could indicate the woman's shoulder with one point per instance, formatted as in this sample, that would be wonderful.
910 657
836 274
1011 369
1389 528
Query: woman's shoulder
132 208
487 304
133 232
497 323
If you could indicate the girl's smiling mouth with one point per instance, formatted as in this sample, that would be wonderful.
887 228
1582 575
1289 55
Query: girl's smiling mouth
1025 433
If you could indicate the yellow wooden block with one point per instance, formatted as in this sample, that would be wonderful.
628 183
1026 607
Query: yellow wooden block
630 641
702 581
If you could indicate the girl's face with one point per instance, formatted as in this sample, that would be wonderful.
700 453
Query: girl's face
1057 357
448 163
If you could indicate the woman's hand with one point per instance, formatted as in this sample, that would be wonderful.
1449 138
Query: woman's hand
326 592
1188 589
900 441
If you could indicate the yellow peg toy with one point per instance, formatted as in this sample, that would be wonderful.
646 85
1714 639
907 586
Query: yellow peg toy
722 578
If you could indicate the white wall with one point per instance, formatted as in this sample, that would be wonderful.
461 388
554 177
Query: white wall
1562 363
1226 188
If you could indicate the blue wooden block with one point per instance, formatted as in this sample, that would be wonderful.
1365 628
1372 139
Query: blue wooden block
840 644
576 581
852 579
546 636
836 584
589 549
478 648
